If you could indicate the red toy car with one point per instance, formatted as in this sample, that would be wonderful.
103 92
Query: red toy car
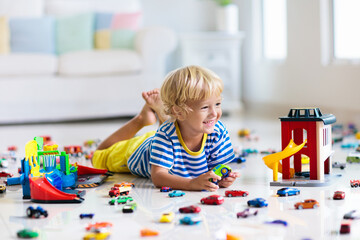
345 227
236 193
339 195
354 183
5 174
190 209
212 200
74 150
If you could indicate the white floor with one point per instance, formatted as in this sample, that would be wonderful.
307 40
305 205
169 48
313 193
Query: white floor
63 221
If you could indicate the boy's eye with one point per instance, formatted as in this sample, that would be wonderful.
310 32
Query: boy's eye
218 104
204 107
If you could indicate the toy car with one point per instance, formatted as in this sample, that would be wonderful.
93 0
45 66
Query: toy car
257 202
353 157
121 200
304 174
353 214
5 174
86 215
236 193
166 189
74 150
190 220
239 159
176 193
117 191
282 222
345 227
308 203
129 208
212 200
27 233
190 209
221 170
339 195
148 232
247 212
287 191
349 145
339 165
124 184
167 217
244 132
2 188
354 183
98 226
32 212
96 236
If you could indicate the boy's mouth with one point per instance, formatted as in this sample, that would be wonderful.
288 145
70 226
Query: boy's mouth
209 123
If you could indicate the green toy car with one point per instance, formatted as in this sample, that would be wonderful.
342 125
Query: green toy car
121 200
221 170
353 157
27 233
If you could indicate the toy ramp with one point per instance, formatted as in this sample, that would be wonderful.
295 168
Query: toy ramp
42 191
273 160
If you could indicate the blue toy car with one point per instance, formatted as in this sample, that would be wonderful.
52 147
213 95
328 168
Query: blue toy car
32 212
287 191
86 215
190 220
176 193
257 202
280 222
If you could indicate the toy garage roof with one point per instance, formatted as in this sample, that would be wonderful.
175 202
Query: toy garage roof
308 114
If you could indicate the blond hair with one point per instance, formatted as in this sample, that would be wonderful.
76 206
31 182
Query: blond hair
188 84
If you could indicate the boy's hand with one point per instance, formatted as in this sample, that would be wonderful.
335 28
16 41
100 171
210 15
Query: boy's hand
228 181
202 182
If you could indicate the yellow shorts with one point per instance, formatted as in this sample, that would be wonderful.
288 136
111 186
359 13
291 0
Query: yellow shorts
115 158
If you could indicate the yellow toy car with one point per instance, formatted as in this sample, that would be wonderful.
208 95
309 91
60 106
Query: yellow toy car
167 217
96 236
2 188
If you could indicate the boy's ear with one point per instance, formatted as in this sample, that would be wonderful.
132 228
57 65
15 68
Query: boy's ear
178 113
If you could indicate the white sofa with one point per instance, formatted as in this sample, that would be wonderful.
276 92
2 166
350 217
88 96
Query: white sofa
83 84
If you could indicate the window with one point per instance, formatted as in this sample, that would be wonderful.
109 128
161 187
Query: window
274 29
346 32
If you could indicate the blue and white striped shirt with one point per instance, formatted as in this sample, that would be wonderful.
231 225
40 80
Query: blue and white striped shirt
166 149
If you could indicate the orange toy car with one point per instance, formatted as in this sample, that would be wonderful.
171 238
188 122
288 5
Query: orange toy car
124 184
98 226
148 232
308 203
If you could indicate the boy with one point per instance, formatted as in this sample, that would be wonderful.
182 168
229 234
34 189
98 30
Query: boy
189 143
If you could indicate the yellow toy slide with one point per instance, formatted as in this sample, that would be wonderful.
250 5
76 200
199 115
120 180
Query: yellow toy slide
273 160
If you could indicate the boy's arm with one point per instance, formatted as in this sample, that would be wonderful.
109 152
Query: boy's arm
162 178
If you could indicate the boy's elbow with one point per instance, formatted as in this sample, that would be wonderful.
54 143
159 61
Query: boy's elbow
156 181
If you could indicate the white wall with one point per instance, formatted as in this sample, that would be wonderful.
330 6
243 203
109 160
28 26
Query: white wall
302 80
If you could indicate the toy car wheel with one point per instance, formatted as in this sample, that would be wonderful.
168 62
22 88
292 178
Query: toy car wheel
29 212
257 205
224 171
229 195
45 214
249 204
244 194
300 207
36 214
297 193
286 194
214 203
315 206
202 202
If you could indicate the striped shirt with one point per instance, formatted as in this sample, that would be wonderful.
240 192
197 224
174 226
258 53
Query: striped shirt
166 149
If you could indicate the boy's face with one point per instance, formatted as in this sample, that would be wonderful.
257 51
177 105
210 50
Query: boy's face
204 115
